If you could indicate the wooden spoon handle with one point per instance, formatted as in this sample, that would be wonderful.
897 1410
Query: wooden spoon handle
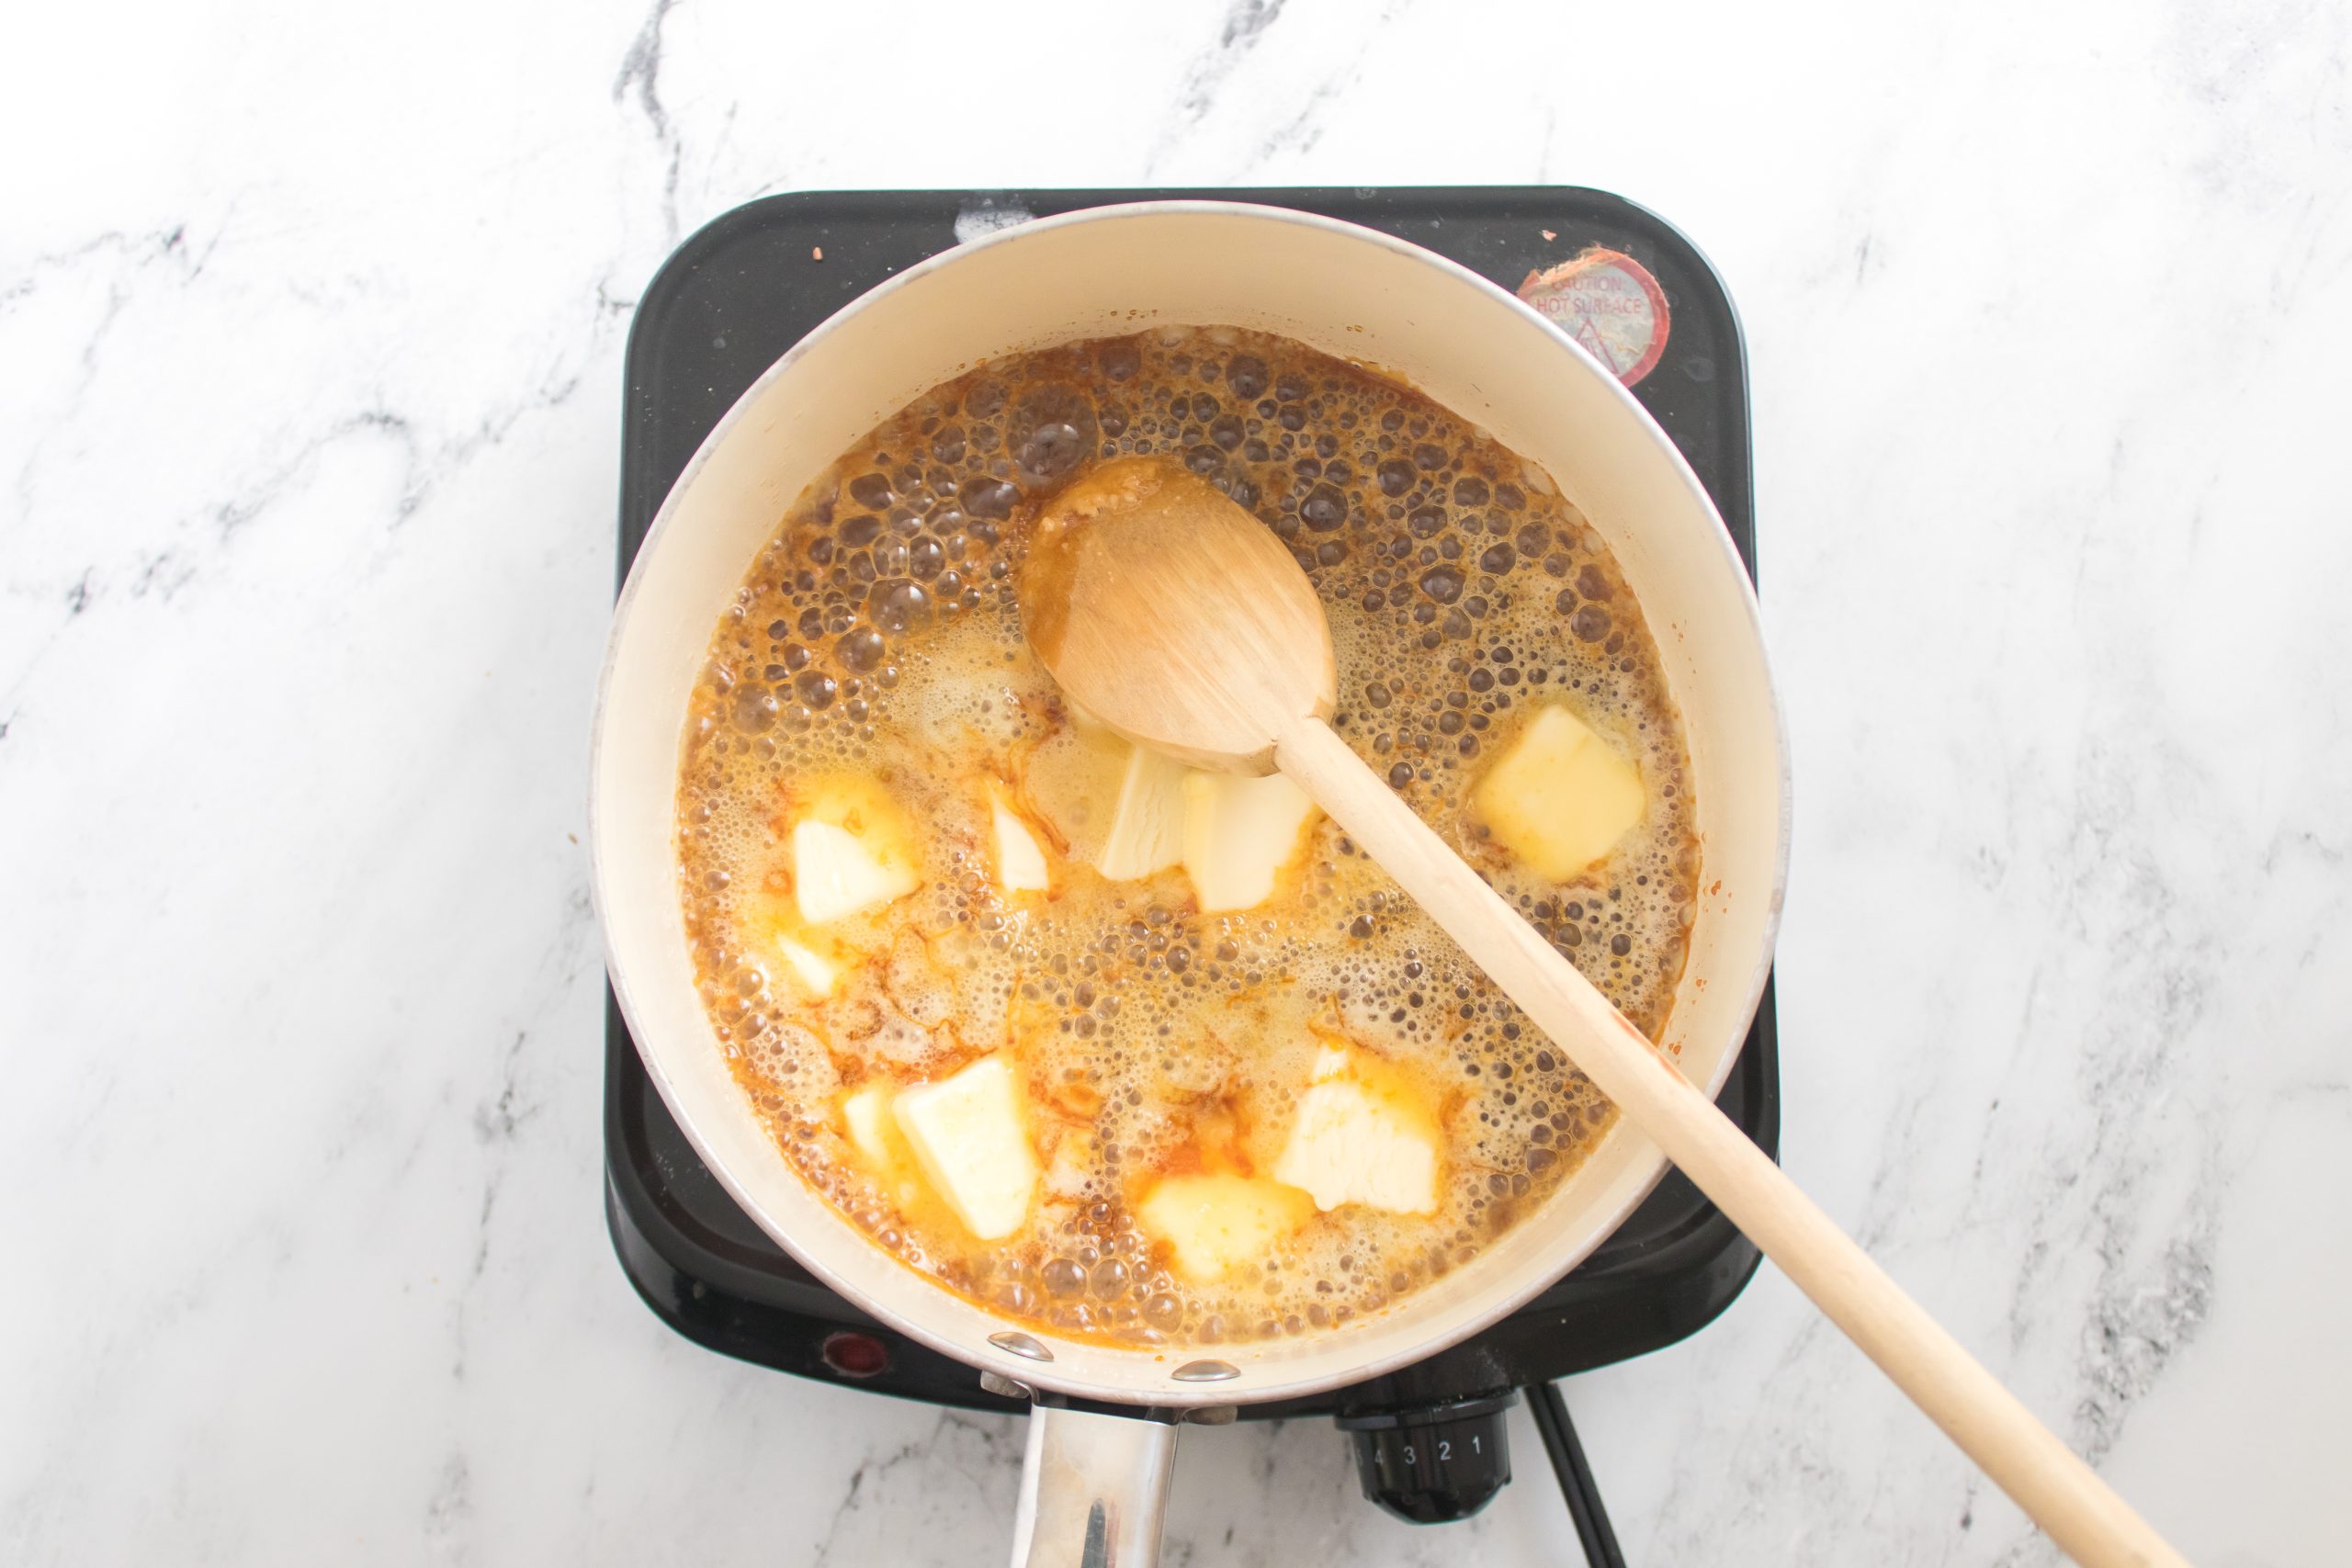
2063 1495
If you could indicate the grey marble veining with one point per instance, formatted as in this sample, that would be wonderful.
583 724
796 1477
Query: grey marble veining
310 336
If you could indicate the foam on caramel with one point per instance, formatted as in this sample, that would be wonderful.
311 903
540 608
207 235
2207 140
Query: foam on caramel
877 635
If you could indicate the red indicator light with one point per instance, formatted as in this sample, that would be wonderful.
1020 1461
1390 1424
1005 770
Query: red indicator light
856 1355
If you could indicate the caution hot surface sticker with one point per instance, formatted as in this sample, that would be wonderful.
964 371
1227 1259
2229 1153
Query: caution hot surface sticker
1609 304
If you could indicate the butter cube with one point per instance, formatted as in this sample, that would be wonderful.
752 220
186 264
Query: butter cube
851 852
1212 1223
865 1114
875 1138
1019 860
835 873
1561 797
969 1141
1071 781
1361 1137
815 971
1239 836
1147 824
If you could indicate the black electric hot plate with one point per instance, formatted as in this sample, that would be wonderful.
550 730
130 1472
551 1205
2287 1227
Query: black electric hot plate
725 306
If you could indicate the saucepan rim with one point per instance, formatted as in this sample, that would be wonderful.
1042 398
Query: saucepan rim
1153 1388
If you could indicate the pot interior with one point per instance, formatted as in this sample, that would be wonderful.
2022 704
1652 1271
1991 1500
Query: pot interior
1348 292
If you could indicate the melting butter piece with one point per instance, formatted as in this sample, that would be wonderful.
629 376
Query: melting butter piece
1561 797
1212 1223
1361 1137
969 1141
878 1144
1071 781
815 971
1238 835
835 873
1070 1173
1019 860
865 1114
851 852
1148 825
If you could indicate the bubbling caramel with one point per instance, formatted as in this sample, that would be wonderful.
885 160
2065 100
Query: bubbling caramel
877 639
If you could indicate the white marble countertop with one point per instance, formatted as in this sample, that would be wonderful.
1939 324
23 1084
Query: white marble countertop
310 325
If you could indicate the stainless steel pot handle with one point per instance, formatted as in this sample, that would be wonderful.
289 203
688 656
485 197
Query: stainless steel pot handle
1092 1490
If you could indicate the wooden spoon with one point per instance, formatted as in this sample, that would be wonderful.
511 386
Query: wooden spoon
1178 619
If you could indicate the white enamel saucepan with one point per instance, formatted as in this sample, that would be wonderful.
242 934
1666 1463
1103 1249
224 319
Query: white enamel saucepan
1096 1479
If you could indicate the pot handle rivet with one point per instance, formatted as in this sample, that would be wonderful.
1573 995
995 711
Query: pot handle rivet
1019 1344
1204 1372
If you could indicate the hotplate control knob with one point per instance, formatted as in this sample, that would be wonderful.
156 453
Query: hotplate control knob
1432 1463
